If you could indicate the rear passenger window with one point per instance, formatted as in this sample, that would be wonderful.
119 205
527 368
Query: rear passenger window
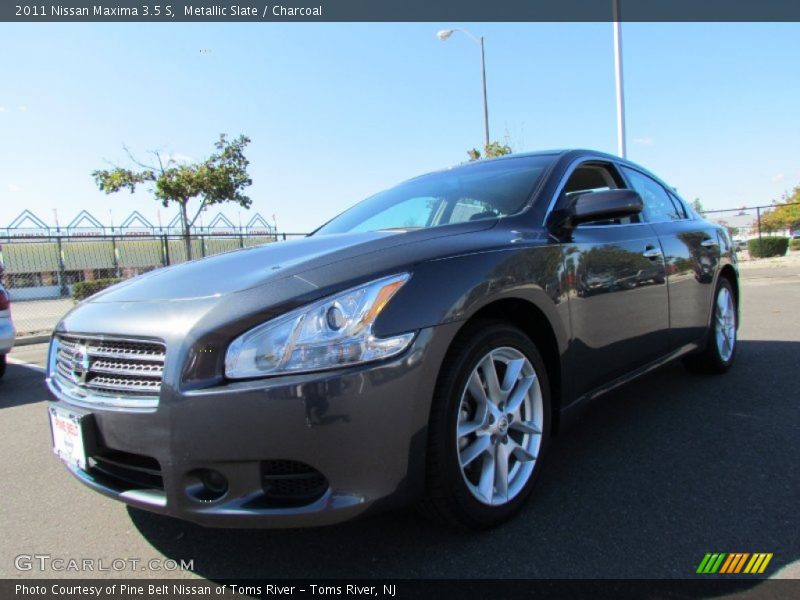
658 205
680 206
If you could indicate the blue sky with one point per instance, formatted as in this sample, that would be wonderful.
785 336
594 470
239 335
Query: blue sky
339 111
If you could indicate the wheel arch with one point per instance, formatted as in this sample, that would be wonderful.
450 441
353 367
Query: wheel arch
533 321
729 273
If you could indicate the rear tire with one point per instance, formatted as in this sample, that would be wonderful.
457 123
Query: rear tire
720 348
489 426
2 365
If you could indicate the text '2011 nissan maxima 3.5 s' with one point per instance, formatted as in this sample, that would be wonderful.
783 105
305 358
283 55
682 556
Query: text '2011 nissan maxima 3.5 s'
421 347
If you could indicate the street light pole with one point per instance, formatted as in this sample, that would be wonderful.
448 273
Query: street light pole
443 35
621 147
485 100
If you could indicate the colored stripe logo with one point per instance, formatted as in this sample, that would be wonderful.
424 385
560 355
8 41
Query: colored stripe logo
724 563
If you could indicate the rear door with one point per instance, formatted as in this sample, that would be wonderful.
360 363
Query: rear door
619 305
691 254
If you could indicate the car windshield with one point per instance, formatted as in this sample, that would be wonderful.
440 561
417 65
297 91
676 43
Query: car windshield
481 190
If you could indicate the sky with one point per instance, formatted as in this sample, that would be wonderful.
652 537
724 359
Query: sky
337 112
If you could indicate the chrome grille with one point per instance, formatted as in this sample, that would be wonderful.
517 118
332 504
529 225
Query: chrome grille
108 371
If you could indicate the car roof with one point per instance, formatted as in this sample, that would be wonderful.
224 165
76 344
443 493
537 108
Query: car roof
576 153
563 154
560 153
573 153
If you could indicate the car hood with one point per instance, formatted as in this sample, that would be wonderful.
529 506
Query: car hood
251 267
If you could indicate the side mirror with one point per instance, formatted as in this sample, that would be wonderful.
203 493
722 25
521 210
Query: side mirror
597 206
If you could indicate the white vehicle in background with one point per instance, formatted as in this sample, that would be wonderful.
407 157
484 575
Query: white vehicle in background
6 329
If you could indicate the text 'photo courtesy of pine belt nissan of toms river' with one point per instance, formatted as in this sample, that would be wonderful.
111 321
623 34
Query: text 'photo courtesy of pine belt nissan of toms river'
422 347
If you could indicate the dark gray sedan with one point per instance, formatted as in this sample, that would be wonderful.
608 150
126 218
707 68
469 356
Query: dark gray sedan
423 346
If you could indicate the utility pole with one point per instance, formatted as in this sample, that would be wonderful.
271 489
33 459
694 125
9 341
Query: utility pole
621 146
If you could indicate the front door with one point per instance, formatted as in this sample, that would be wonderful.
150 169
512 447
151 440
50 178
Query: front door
619 308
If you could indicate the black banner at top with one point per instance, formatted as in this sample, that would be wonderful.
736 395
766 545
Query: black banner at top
398 10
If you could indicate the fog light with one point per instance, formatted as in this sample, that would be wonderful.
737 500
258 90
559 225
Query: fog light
206 485
215 482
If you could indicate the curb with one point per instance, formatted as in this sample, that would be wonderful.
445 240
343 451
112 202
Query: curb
32 339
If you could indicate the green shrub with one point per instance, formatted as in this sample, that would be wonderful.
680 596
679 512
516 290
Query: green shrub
84 289
768 246
795 244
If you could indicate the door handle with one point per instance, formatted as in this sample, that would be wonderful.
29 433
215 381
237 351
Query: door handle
651 252
709 243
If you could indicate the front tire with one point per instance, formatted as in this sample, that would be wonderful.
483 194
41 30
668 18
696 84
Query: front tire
489 426
720 349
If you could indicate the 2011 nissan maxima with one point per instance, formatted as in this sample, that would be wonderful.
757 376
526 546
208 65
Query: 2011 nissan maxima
422 346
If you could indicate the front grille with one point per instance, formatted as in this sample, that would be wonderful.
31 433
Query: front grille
126 470
101 369
291 483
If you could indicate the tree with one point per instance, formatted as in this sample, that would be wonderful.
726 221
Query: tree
698 206
493 150
222 177
784 215
732 231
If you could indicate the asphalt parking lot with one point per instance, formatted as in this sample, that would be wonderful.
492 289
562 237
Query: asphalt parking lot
649 479
35 316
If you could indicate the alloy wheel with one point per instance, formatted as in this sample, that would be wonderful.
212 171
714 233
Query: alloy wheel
725 324
500 423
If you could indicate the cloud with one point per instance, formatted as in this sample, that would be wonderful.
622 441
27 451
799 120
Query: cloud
778 177
644 141
23 108
14 188
2 109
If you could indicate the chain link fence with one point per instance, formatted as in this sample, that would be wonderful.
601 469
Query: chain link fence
750 222
753 222
40 272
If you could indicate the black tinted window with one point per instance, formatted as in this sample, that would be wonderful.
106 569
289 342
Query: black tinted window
481 190
680 206
595 177
658 205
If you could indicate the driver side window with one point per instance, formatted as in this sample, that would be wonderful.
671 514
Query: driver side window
595 177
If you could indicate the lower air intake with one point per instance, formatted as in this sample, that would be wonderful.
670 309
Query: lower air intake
291 483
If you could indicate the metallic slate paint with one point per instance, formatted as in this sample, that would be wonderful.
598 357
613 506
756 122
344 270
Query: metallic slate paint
613 312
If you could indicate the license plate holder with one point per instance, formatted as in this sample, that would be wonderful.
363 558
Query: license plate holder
69 435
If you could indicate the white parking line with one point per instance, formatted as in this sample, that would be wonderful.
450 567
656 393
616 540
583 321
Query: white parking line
22 363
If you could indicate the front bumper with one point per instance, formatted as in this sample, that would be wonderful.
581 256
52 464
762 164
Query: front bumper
363 429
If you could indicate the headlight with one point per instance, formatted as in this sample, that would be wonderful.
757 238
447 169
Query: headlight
334 332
